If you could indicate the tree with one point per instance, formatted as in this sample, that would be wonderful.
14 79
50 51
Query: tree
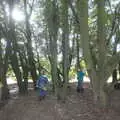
4 52
99 64
65 45
3 70
30 54
100 72
52 24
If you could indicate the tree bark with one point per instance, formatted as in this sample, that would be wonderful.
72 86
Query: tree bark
65 44
52 23
13 47
3 71
30 53
84 34
102 51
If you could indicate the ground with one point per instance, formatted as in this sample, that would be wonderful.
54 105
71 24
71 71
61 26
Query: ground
77 107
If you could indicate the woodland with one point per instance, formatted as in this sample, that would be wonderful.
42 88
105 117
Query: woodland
60 36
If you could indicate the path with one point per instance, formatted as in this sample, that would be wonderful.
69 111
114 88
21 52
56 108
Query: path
77 107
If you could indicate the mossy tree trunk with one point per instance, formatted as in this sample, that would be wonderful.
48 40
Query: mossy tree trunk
65 45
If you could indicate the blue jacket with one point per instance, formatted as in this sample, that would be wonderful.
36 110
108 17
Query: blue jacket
42 82
80 75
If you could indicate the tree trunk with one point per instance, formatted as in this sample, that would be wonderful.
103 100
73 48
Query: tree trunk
52 23
24 66
65 44
94 84
114 76
102 51
5 90
78 51
13 47
119 70
30 53
3 71
83 15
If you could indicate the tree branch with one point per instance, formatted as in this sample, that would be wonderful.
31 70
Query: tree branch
111 63
74 12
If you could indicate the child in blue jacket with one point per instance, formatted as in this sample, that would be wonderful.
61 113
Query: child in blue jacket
42 85
80 76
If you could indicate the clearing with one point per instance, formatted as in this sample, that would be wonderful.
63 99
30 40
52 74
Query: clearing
77 107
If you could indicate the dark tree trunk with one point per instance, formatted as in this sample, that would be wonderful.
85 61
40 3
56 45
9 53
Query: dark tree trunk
13 47
5 90
114 76
119 70
24 66
52 24
65 44
3 71
78 57
32 66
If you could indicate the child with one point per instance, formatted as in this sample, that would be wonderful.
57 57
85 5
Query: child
42 85
80 75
